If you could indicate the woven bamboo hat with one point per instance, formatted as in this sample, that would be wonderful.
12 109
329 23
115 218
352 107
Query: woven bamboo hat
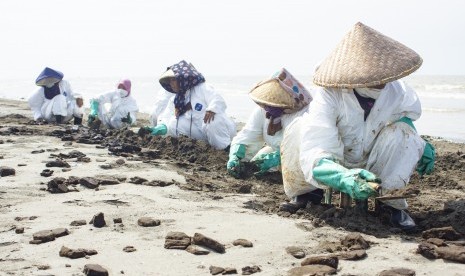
364 58
281 90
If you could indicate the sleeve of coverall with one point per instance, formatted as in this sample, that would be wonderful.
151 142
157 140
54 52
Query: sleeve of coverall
163 98
66 88
252 132
168 113
35 101
319 132
214 100
410 106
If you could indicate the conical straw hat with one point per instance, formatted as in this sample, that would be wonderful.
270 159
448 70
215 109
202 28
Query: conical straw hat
165 79
365 58
281 90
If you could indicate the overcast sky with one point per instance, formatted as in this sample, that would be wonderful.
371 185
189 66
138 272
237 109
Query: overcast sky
131 38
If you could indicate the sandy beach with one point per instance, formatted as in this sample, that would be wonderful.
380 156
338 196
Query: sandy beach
184 187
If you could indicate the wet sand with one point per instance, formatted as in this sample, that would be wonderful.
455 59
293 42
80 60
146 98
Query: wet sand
188 189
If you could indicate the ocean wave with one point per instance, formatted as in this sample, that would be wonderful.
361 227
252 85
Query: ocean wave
444 110
441 94
440 87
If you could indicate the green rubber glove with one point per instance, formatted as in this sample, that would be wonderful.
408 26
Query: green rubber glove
426 163
160 129
353 182
267 161
94 108
234 166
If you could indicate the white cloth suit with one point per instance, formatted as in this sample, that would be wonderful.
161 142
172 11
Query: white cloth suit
63 104
218 133
254 134
121 104
335 128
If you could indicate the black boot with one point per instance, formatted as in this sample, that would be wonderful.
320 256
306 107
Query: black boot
301 201
59 119
77 121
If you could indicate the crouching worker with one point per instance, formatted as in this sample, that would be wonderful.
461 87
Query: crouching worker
122 111
77 108
280 100
359 128
54 101
196 110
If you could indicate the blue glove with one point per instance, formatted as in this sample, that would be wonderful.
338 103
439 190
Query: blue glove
267 161
354 182
426 163
94 108
236 153
160 129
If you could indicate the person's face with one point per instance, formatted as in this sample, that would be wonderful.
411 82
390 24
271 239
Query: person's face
79 102
174 85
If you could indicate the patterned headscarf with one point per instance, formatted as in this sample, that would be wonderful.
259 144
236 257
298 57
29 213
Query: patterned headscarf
187 77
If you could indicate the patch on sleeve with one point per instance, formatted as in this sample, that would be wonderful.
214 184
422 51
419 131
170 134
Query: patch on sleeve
198 106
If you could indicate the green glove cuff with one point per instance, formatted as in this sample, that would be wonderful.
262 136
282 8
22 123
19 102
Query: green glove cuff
267 161
408 121
237 150
234 166
350 181
158 130
94 107
426 163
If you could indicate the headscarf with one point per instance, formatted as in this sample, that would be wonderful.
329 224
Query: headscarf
187 77
49 80
274 114
51 92
126 85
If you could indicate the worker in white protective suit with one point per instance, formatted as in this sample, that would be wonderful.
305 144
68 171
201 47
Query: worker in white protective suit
196 110
161 102
359 128
54 101
280 100
122 111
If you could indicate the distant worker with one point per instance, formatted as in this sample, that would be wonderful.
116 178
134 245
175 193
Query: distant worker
358 134
54 101
280 100
122 110
196 110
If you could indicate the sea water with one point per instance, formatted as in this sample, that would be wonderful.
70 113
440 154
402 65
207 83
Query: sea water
442 97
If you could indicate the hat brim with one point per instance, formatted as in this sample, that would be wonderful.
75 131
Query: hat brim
271 93
365 58
47 81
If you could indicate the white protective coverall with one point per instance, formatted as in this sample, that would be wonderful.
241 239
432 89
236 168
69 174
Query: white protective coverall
335 128
63 104
254 134
120 105
203 97
162 101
